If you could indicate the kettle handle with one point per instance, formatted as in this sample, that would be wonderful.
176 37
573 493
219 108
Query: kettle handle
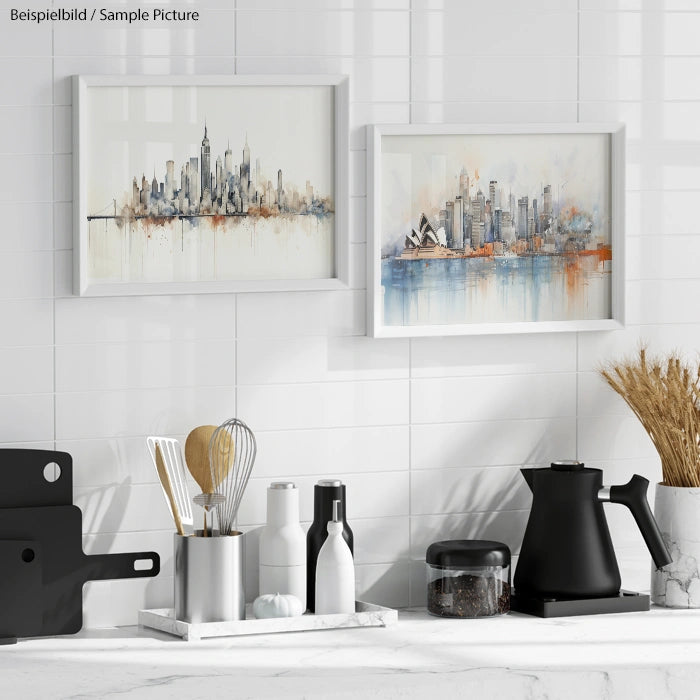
633 494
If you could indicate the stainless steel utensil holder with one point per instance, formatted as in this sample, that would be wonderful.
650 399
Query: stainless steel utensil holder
209 578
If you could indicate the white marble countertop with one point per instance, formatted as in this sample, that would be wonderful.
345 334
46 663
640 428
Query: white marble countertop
633 655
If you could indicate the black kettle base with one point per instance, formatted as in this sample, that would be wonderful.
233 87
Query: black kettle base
625 601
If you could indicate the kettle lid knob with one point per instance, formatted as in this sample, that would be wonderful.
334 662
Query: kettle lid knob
567 465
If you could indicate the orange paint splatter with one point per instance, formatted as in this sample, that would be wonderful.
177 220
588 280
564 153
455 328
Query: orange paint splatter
573 275
569 212
603 253
160 221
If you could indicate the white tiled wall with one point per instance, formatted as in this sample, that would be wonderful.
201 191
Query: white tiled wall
428 433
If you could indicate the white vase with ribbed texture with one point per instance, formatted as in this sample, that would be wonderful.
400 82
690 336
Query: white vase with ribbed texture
677 512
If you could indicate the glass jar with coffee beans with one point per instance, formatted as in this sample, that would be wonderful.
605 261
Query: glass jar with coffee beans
468 578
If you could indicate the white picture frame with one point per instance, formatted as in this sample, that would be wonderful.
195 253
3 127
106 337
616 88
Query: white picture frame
324 141
377 139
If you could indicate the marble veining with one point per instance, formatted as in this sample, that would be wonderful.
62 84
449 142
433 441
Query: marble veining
678 584
629 656
366 615
677 511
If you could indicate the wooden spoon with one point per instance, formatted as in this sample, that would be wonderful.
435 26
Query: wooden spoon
197 459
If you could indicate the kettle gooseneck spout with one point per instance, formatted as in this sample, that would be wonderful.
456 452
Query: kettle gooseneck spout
529 475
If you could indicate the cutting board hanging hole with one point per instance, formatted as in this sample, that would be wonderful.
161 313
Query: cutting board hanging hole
143 564
52 472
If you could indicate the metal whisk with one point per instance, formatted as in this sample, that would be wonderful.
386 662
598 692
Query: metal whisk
232 450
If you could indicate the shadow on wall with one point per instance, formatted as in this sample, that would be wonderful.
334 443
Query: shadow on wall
251 559
103 510
491 437
472 490
480 489
503 526
384 585
490 502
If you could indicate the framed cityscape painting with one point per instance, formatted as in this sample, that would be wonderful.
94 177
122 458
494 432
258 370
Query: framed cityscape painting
189 184
495 229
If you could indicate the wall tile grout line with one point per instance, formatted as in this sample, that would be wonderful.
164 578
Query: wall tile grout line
578 119
53 229
578 60
410 340
276 57
236 358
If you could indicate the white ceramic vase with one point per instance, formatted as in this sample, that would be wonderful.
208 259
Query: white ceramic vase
677 511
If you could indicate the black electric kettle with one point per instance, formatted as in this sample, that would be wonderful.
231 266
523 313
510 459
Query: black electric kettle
567 551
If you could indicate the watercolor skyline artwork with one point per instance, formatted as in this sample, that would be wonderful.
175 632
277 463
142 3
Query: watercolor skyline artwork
183 184
480 230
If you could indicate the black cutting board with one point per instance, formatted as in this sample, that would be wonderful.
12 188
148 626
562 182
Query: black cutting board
24 559
56 606
22 481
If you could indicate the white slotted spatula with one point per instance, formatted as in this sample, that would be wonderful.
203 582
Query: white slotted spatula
169 462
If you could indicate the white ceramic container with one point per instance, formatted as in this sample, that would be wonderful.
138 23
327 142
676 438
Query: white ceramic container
335 571
677 512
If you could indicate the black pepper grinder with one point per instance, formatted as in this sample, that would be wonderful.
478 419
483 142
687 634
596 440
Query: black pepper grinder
325 492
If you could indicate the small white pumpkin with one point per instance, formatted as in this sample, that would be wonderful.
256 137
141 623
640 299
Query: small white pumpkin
277 605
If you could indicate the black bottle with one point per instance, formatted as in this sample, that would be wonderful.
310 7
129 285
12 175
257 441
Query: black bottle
325 492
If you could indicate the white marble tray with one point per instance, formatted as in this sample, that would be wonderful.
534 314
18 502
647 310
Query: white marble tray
365 615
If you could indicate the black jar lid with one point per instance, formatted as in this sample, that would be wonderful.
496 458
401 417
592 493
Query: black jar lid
456 554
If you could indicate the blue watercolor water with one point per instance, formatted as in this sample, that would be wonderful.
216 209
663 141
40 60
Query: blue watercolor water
493 290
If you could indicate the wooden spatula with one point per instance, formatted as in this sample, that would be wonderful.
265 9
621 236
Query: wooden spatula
168 489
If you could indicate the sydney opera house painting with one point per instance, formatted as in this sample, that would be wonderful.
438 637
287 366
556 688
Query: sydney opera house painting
191 184
489 228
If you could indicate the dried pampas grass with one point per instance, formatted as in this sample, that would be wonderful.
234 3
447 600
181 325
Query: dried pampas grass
664 394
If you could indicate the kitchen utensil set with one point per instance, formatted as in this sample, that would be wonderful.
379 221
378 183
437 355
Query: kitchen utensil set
220 459
209 574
